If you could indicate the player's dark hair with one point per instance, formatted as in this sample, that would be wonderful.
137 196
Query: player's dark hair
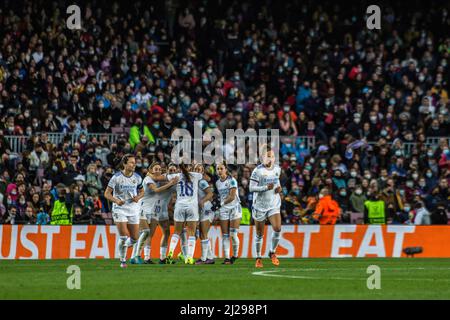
224 163
185 171
124 160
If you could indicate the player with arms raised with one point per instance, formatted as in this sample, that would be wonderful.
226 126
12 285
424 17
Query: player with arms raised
265 185
125 191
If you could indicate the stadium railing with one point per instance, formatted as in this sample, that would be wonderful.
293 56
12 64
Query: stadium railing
18 143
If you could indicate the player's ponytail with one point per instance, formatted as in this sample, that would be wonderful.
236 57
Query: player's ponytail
185 171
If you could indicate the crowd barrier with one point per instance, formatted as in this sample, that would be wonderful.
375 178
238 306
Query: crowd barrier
299 241
18 143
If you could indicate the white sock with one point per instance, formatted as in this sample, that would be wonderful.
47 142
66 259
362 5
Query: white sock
274 241
173 243
184 243
205 249
258 245
147 250
141 241
129 242
235 241
226 245
162 252
210 250
122 248
191 246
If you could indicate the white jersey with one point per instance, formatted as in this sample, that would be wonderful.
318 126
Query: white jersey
224 189
266 200
125 188
202 186
148 201
187 192
151 198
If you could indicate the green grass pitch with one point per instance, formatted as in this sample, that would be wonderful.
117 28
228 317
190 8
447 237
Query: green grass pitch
401 278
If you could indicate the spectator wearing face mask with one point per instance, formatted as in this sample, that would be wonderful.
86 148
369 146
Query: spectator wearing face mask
342 198
357 200
403 216
338 180
431 180
422 215
439 215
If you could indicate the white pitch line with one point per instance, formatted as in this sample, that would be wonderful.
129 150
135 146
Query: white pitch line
269 273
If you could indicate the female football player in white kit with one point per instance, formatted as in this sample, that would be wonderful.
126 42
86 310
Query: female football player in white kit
230 212
124 190
186 211
205 196
154 211
265 185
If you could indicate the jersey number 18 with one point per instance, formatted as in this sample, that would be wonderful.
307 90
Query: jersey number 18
186 189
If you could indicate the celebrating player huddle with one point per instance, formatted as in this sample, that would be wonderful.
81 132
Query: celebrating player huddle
140 205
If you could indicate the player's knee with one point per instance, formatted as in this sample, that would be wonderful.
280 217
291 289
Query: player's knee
277 228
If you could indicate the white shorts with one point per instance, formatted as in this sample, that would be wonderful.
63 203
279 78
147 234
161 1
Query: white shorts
121 217
146 214
231 214
153 213
207 215
159 213
259 215
185 214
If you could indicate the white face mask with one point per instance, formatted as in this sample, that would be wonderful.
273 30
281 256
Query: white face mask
320 196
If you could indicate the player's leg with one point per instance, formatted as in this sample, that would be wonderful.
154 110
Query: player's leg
123 235
184 244
191 227
259 235
143 235
275 221
225 227
165 228
204 229
235 222
178 228
214 219
148 242
133 231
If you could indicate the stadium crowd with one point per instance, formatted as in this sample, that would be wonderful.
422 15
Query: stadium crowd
306 69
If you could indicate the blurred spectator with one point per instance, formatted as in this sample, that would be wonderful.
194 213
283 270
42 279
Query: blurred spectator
439 215
422 215
327 210
375 210
42 217
62 210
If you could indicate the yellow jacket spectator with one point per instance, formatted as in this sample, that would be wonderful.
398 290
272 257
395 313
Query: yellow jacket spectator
139 130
